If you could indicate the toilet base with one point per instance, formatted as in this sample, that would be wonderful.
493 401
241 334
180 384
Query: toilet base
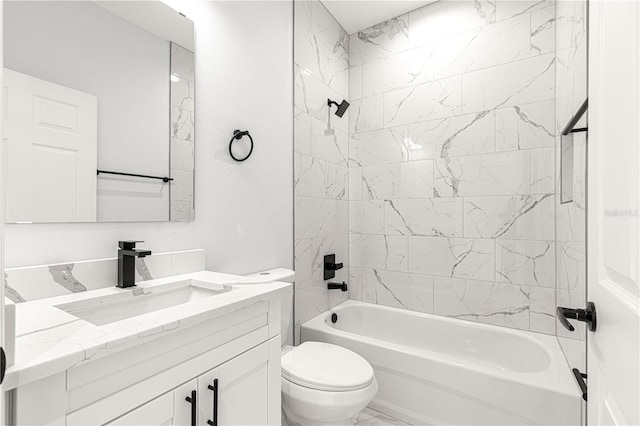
309 407
287 421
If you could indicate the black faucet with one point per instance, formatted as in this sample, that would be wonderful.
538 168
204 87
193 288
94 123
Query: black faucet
127 254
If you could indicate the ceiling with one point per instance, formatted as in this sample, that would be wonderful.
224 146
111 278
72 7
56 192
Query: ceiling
356 15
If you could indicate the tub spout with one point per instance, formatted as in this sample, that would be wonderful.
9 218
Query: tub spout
338 286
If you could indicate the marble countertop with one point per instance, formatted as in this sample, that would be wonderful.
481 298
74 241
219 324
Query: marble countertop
50 340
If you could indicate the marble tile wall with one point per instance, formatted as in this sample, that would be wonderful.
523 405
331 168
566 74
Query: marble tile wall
182 155
452 163
39 282
321 61
571 90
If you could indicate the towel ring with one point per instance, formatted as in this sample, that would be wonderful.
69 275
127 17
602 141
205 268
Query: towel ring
237 135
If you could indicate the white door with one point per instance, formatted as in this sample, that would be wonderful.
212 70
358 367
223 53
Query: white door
51 137
613 357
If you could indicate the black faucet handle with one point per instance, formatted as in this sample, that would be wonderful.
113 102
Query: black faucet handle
128 244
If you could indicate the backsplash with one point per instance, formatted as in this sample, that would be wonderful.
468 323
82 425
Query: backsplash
451 162
39 282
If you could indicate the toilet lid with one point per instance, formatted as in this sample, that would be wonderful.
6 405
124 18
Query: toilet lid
323 366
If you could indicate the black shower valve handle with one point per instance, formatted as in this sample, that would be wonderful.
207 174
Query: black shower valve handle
334 266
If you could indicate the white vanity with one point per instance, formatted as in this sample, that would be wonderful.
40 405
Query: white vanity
192 349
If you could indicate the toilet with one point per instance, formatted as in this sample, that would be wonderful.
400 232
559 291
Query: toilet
322 383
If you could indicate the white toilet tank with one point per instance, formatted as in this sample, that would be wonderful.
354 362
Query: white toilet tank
286 302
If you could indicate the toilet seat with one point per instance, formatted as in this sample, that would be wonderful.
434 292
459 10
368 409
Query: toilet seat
326 367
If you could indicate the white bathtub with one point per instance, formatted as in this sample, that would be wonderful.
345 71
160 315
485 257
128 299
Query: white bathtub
436 370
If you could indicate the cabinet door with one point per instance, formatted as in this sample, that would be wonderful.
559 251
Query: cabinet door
185 404
241 385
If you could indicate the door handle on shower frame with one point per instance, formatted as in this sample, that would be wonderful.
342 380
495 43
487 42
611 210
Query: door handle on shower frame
587 315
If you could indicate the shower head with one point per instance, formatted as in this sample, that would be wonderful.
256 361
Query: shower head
342 107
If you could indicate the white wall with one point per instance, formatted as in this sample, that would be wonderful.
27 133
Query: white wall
244 211
85 47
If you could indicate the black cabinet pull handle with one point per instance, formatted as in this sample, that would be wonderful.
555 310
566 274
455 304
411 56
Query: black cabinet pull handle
214 389
587 315
194 410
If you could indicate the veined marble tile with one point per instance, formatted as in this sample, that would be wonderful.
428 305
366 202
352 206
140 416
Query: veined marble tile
486 174
509 8
181 124
310 96
318 178
337 75
332 147
304 259
378 146
182 155
303 12
317 217
355 183
483 47
182 211
526 81
543 310
182 62
308 301
525 126
487 302
338 244
529 217
438 99
571 221
416 179
526 262
542 170
380 41
369 417
404 69
543 30
452 257
571 21
360 289
355 83
181 186
453 136
182 94
401 290
386 252
366 217
366 114
302 132
308 53
571 274
446 18
440 217
381 182
325 26
39 282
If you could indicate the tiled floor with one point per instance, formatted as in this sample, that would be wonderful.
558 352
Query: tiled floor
369 417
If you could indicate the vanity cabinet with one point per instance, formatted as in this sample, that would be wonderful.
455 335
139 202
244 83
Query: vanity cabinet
235 358
232 394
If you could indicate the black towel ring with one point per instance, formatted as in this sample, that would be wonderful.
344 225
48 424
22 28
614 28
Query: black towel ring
237 135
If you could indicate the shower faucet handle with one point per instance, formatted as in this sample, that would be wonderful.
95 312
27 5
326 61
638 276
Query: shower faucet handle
330 266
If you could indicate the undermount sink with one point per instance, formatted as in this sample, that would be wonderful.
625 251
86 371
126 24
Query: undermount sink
138 301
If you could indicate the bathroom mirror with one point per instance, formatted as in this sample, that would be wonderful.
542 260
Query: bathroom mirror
98 111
